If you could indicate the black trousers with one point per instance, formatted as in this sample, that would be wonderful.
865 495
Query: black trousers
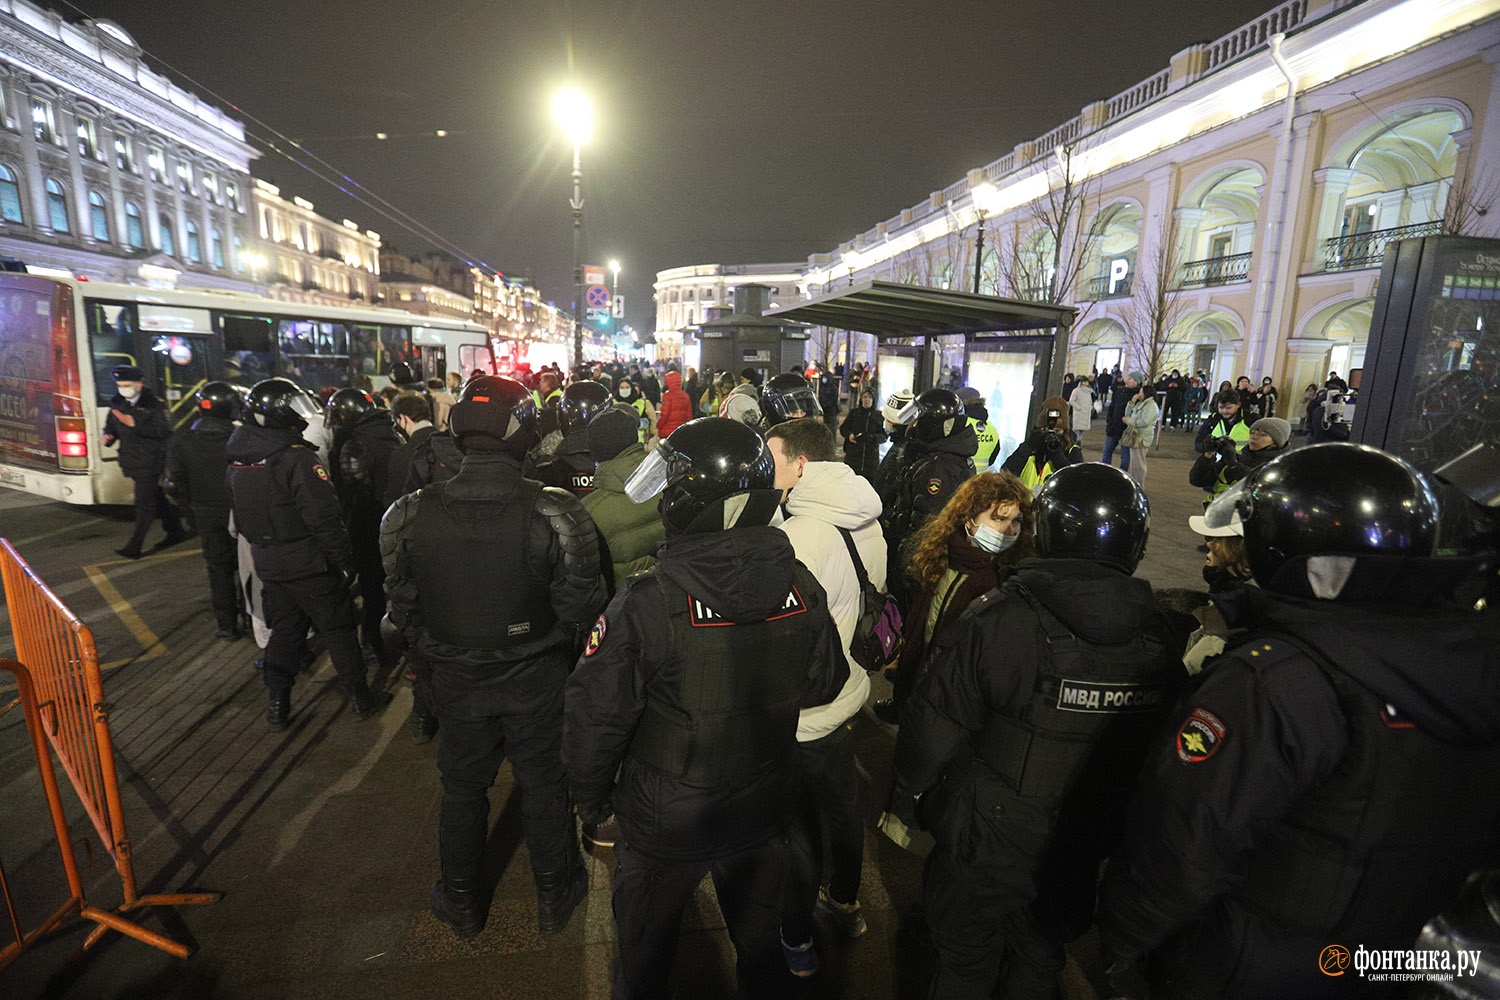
150 504
222 557
828 802
986 933
478 727
294 606
651 893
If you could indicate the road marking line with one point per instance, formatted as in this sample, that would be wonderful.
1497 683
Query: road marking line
151 645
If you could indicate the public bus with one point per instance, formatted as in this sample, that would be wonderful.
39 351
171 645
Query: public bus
61 339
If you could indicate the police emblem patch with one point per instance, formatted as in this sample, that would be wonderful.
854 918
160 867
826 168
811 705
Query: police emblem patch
1200 736
320 472
934 485
596 637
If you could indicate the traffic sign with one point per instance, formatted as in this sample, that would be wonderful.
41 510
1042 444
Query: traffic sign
619 309
593 274
597 297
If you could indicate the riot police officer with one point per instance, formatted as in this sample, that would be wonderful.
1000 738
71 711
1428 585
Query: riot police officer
285 504
1332 781
938 456
1023 761
138 420
689 691
364 440
494 579
197 460
571 466
787 397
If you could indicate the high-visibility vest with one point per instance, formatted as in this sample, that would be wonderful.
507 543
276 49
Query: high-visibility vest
989 442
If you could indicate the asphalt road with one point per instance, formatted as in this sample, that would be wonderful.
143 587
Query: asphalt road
323 839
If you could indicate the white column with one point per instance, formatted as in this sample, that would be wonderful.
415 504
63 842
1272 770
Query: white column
1329 187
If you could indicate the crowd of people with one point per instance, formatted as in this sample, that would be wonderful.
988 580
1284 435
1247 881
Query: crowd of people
666 600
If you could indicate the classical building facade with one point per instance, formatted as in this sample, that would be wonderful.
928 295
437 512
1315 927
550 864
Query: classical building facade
687 296
302 256
1254 183
108 169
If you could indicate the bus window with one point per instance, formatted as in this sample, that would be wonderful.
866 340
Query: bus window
434 362
470 358
365 350
112 327
395 345
313 353
181 368
247 348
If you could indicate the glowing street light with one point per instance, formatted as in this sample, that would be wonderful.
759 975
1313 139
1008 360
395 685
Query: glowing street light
573 113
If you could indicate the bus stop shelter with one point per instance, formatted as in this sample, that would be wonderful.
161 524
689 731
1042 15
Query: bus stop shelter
1015 353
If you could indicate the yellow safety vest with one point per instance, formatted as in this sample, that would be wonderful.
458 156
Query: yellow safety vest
989 442
1030 477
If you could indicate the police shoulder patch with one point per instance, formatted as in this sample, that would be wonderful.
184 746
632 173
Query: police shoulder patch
934 486
596 637
319 471
1200 736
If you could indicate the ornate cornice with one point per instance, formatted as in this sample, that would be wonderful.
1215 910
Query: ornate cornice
51 63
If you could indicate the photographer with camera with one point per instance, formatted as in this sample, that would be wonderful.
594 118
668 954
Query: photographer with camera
1221 464
1326 419
1050 446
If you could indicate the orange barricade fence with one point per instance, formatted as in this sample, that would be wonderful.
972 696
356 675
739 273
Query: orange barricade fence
62 696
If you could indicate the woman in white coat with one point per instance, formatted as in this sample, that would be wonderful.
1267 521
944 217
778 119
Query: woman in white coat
1081 402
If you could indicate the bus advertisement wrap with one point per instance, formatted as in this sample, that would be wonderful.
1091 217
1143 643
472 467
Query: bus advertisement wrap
33 344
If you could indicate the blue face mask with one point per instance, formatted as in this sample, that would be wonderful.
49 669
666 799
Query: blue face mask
991 539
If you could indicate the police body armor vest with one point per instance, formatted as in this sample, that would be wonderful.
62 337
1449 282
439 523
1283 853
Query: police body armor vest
1092 714
264 513
1357 853
472 572
715 714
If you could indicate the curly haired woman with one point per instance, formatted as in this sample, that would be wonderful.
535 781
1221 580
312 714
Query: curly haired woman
955 558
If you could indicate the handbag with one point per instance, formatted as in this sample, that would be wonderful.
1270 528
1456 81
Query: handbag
877 631
1130 438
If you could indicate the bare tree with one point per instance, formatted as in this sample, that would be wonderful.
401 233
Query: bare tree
1472 195
1045 264
1154 309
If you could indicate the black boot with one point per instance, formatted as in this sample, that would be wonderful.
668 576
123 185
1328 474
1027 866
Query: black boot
558 893
278 710
421 726
456 903
366 702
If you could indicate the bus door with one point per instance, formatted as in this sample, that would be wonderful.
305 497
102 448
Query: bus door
180 364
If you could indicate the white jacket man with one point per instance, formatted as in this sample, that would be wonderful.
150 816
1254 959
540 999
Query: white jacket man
820 496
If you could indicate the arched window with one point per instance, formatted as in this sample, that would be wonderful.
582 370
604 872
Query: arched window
57 207
98 217
216 247
168 245
10 196
194 245
135 234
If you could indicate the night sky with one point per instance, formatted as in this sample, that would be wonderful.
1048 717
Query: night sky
727 132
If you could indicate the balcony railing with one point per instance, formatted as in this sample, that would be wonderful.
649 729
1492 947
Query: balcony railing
1347 253
1214 271
1099 288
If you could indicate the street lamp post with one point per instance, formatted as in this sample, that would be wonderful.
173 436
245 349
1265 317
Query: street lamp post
614 293
571 110
980 194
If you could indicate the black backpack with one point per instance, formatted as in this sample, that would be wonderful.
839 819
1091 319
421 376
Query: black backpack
877 631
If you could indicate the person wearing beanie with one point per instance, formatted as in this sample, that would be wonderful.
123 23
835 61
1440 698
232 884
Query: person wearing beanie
1221 469
628 531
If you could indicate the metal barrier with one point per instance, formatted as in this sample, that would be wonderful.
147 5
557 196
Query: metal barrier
62 696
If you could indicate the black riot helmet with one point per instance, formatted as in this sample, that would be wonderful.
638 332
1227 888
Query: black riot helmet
934 415
581 402
699 467
1092 511
1332 500
493 414
218 399
345 407
273 402
407 375
787 397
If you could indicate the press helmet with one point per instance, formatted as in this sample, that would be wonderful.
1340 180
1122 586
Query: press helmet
1333 499
1092 511
273 403
938 413
698 467
787 397
581 402
218 399
345 407
494 413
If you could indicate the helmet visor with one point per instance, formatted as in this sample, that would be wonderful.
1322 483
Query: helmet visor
649 478
1222 517
908 413
797 403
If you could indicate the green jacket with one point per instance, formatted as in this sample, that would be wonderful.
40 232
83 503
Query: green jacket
627 530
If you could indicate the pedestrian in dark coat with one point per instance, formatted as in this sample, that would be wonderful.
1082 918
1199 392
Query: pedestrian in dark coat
863 432
139 422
